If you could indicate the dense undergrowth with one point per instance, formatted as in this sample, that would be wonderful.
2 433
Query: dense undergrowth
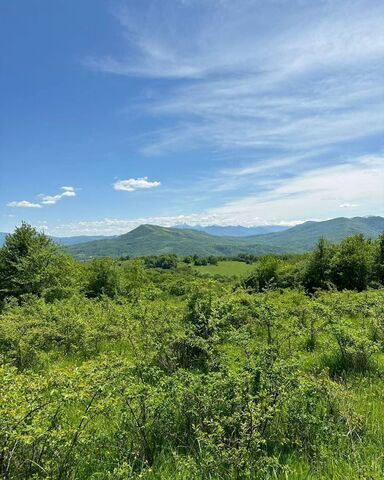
119 372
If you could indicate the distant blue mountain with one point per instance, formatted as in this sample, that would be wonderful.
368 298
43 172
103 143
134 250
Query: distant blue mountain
233 231
67 240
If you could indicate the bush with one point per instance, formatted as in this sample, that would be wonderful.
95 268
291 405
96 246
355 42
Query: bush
265 275
351 266
104 278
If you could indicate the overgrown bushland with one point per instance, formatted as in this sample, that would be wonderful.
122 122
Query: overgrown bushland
135 372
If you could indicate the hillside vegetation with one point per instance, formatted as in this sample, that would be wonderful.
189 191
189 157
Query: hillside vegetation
234 231
155 240
304 237
147 369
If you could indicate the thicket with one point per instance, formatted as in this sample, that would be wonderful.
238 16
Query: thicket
354 264
115 370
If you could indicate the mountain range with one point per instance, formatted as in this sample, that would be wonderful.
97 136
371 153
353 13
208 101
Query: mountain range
216 240
229 231
155 240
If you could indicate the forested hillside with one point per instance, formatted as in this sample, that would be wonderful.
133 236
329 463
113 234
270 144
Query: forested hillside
303 237
146 368
155 240
234 231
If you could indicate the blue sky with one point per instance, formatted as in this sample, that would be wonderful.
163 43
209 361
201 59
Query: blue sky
252 112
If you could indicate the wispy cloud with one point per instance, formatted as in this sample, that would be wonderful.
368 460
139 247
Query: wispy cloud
314 82
53 199
218 37
23 204
133 184
316 193
284 97
348 205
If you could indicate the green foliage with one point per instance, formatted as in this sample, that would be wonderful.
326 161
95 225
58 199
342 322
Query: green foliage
318 271
104 278
31 264
351 266
264 276
378 267
165 262
144 371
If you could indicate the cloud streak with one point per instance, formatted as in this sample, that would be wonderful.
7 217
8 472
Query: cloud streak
45 199
281 92
133 184
277 97
23 204
53 199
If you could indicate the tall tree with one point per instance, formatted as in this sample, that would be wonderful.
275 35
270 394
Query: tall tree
104 278
317 274
352 264
265 274
379 260
30 263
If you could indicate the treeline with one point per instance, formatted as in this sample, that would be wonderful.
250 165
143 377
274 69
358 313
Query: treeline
31 264
354 264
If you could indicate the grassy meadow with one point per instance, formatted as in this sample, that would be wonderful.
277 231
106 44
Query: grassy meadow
226 268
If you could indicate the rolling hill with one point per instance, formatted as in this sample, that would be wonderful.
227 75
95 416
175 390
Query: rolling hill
155 240
304 236
233 231
79 239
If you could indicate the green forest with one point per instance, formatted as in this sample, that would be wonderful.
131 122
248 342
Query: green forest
169 367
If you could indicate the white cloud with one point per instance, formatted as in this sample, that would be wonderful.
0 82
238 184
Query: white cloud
133 184
221 36
53 199
23 204
45 199
348 205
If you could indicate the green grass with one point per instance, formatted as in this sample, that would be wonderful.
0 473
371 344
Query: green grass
226 268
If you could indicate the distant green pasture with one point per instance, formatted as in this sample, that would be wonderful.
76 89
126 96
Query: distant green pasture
226 268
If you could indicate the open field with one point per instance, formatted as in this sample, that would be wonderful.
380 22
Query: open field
227 268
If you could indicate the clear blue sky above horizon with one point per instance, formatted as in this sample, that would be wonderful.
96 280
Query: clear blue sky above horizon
116 113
